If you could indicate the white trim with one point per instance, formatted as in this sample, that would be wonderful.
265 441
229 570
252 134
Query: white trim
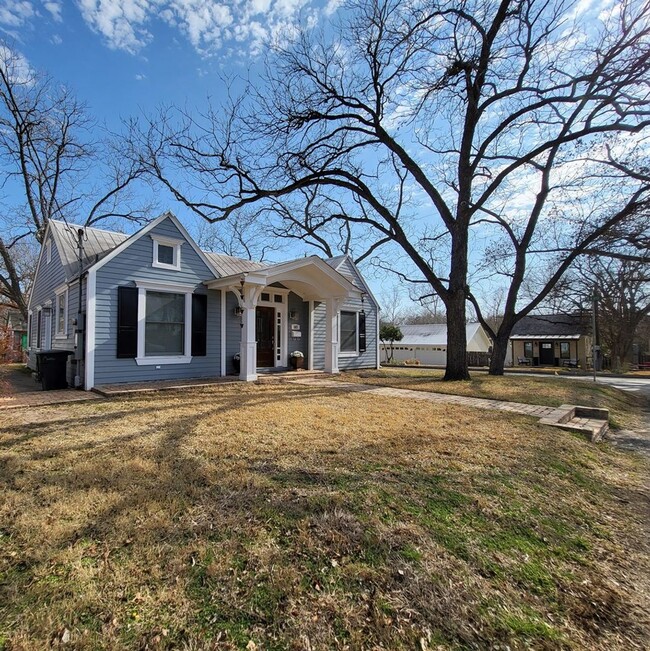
143 359
174 244
283 310
136 236
165 287
59 292
91 311
349 353
378 353
310 352
223 332
176 359
38 266
30 325
48 250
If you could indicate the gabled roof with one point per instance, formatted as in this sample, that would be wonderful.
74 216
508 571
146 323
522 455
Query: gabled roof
433 334
337 261
551 325
96 244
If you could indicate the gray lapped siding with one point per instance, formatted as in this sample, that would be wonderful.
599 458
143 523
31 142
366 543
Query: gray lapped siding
367 359
135 263
51 276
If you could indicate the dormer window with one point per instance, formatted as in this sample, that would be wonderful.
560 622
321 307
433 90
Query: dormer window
166 253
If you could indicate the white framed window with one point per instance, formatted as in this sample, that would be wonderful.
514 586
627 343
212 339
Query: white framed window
164 323
349 334
166 253
48 251
61 312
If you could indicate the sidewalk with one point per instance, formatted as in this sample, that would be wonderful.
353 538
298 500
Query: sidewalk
538 411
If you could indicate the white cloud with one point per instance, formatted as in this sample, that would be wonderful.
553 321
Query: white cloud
140 77
56 40
121 22
14 13
16 66
206 24
54 8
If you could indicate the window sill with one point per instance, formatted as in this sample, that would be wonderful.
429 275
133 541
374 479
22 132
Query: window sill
60 336
349 354
162 265
172 359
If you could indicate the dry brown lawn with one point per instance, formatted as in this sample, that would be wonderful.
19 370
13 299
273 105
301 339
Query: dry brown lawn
554 391
289 517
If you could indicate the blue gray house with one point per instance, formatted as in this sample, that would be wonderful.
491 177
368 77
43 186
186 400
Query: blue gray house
153 306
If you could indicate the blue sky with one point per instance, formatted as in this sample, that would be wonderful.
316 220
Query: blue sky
124 57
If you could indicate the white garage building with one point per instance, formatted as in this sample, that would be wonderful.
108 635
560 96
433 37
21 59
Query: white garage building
428 343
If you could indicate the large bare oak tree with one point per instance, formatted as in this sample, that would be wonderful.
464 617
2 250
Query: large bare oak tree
434 134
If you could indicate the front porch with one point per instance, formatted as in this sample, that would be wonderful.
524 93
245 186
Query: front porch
271 327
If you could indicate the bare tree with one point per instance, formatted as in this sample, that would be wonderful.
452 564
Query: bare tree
52 169
622 288
432 126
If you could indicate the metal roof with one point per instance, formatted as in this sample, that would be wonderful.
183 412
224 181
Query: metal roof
432 334
228 265
541 337
96 244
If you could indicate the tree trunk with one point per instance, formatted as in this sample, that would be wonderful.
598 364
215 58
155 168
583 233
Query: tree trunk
456 338
500 351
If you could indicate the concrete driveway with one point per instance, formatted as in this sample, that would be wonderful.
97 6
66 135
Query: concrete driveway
15 379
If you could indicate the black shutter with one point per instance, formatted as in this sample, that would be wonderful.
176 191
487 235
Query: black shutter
127 321
199 324
362 332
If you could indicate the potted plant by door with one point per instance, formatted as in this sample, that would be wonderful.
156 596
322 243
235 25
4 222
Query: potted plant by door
297 360
235 362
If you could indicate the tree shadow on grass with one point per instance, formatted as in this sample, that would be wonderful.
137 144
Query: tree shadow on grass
232 515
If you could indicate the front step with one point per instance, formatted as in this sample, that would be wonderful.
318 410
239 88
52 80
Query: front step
591 422
288 376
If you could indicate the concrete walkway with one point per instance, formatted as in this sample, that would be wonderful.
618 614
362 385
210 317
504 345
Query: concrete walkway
539 411
18 389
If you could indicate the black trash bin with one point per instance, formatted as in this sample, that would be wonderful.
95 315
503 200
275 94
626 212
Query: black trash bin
51 367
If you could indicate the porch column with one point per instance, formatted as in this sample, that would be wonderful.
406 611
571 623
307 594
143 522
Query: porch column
248 341
332 335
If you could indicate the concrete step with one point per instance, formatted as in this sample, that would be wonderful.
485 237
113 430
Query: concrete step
591 422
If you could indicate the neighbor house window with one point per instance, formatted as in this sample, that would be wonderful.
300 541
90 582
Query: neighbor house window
349 331
164 324
62 313
166 253
528 349
565 350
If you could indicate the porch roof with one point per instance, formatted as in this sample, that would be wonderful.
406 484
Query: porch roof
545 337
311 278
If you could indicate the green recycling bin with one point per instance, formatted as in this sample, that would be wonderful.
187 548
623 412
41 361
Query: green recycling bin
51 368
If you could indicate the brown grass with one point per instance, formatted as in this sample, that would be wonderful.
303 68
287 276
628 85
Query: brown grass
287 517
624 407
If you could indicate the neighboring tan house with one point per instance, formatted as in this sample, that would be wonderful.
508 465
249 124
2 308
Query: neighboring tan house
551 340
12 332
153 306
427 343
